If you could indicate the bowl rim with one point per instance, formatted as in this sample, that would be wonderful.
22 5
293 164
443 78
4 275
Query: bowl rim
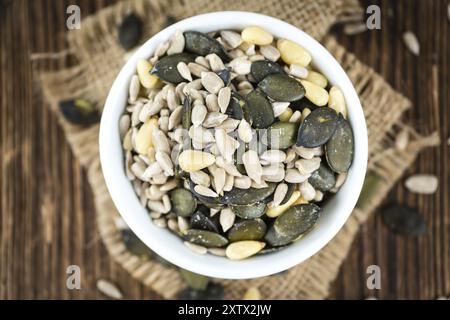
171 247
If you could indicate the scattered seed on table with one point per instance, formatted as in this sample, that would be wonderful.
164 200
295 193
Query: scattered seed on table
422 183
109 289
411 42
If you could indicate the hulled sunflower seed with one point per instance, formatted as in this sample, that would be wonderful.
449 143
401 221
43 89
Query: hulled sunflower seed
157 206
422 183
231 39
135 86
273 156
273 173
223 98
124 125
294 176
196 248
212 82
163 123
160 141
220 252
307 166
166 202
270 52
245 131
298 71
160 223
212 103
242 182
203 62
204 191
402 140
177 42
305 153
279 194
411 42
162 48
165 162
215 63
172 224
319 196
109 289
229 167
151 171
183 224
227 218
201 135
256 57
229 125
197 69
252 165
184 71
229 183
175 118
279 108
198 114
290 156
307 191
296 116
241 65
201 178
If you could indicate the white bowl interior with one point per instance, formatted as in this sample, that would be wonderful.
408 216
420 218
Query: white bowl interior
170 247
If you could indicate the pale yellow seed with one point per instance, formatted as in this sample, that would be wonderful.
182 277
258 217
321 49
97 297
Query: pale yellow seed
278 210
256 35
147 80
314 93
292 53
243 249
252 294
194 160
317 78
336 101
144 136
286 115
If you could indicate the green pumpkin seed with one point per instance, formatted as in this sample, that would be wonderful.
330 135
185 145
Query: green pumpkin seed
194 280
262 68
186 117
205 238
339 149
258 110
317 128
281 135
234 109
290 191
247 230
297 220
201 221
369 189
225 75
130 31
404 220
322 179
247 197
202 44
183 202
275 239
252 211
281 87
134 244
166 67
79 111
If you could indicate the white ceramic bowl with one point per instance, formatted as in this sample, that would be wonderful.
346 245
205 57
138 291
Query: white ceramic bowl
170 247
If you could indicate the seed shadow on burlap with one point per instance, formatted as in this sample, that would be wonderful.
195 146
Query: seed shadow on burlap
99 59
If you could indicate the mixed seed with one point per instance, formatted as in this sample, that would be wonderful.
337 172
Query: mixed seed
232 140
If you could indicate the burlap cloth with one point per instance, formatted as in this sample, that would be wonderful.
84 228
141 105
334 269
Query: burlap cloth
98 61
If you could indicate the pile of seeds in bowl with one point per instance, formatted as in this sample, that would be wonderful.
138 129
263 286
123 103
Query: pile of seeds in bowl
232 140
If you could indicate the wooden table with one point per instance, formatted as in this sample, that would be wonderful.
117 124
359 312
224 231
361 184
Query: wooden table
46 206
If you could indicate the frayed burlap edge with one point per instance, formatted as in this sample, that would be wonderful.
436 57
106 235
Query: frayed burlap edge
99 61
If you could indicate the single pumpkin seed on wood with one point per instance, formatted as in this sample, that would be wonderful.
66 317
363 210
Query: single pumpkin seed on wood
339 149
130 31
205 238
404 220
261 69
411 42
166 67
422 183
317 128
202 44
322 179
281 135
109 289
183 202
252 211
253 229
258 110
281 87
243 249
79 111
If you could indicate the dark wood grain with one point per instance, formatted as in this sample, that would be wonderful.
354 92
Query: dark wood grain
46 208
